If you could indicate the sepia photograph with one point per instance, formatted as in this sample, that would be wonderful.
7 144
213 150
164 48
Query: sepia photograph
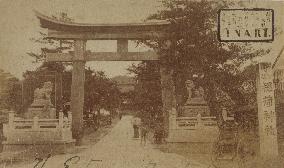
141 84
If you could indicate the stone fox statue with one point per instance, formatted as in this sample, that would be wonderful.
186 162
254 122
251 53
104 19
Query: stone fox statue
195 93
42 96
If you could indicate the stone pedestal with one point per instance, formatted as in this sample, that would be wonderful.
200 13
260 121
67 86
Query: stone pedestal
194 110
193 127
40 112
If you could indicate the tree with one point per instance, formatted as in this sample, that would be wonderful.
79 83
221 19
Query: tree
147 94
196 51
11 96
52 45
100 92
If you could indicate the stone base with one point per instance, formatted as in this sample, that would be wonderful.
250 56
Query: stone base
193 110
39 149
208 135
38 111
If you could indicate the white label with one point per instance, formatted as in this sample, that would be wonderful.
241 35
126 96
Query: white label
246 25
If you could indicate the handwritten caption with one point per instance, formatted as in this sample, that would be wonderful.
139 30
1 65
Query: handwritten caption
75 161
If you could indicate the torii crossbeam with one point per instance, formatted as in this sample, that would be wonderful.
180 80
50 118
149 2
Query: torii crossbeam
120 32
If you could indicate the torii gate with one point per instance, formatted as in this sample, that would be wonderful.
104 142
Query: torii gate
80 33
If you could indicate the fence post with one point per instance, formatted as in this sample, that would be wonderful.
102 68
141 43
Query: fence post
35 123
60 121
224 114
69 116
199 121
173 119
11 116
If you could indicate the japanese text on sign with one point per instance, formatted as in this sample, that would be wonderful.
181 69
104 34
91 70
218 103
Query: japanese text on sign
267 100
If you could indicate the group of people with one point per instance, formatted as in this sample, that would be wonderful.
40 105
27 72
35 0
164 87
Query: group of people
140 129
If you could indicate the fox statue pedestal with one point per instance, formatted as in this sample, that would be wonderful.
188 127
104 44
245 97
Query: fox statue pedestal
41 112
192 124
193 110
195 103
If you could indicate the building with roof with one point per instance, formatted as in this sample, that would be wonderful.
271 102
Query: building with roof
125 83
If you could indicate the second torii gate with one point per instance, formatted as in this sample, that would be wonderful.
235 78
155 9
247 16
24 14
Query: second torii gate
80 33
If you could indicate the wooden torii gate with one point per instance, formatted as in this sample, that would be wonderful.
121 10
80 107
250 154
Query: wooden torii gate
80 33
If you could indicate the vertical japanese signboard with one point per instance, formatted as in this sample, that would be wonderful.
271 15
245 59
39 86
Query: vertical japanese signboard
266 111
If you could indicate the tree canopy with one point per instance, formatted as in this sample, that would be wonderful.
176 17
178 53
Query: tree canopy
100 92
196 51
10 94
146 97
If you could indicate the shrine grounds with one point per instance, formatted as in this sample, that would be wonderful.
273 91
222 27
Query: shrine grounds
113 146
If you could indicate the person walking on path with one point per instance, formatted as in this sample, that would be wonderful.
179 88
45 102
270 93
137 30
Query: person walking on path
143 133
120 114
136 123
158 133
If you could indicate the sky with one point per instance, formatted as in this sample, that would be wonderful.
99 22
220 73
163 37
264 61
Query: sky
19 25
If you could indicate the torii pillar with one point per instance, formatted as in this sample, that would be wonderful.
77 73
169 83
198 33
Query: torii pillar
167 87
77 89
